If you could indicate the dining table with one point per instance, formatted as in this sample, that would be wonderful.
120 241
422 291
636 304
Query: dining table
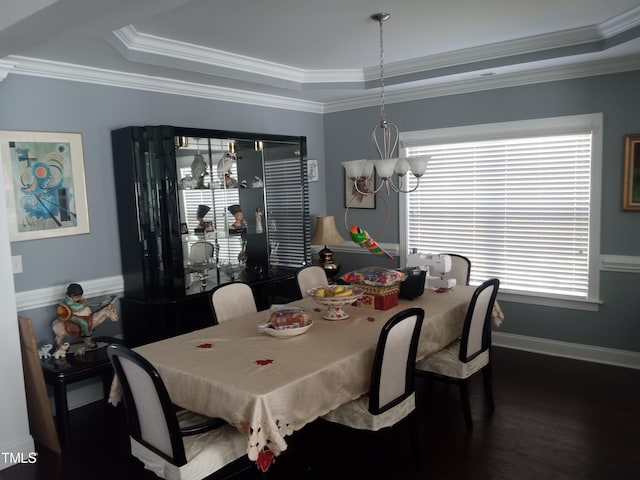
269 387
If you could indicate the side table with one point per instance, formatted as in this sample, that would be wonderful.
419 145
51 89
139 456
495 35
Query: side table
73 368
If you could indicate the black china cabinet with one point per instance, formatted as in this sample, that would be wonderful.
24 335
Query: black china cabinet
197 208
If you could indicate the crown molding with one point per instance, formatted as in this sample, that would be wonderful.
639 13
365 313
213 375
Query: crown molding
6 68
523 46
145 48
79 73
481 83
620 23
64 71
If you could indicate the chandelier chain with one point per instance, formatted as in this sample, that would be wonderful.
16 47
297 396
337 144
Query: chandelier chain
382 116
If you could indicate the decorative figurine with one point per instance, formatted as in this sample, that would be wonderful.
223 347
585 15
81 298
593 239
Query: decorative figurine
243 256
259 228
257 182
44 352
76 320
61 352
239 225
200 214
225 166
199 170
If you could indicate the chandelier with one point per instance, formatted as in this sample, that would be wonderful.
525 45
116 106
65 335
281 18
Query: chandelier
385 138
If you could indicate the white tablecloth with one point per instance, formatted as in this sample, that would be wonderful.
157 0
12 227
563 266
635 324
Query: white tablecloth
269 387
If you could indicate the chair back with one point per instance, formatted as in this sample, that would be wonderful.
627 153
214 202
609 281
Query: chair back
201 252
392 376
309 277
150 413
232 300
476 332
460 269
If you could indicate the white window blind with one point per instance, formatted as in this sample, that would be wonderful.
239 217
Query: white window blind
518 207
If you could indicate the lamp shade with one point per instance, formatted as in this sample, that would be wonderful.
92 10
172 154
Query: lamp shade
354 168
418 164
326 232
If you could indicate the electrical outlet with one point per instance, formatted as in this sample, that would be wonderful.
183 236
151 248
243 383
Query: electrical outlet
16 263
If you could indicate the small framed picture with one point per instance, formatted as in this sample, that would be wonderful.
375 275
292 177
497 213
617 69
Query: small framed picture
312 170
631 188
362 196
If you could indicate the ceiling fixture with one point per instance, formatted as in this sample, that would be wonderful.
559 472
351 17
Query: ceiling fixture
385 138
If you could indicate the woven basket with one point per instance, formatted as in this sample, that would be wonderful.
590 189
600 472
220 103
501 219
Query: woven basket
381 291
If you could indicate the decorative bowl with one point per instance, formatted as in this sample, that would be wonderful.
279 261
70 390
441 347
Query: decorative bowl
334 303
265 327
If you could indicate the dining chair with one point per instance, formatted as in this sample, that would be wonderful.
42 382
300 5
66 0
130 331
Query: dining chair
391 396
231 300
173 445
201 252
460 269
309 277
470 354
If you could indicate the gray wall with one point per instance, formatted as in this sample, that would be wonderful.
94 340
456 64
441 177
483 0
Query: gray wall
30 103
617 324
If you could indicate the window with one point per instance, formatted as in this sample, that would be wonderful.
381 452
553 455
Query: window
520 199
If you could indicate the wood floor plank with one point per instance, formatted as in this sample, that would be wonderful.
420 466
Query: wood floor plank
555 418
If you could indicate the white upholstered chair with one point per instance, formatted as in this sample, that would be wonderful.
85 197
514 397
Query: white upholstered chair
175 446
309 277
231 300
460 269
201 252
470 354
391 396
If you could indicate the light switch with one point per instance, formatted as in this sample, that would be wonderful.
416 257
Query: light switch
16 263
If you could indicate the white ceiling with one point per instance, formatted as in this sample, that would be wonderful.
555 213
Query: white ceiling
324 52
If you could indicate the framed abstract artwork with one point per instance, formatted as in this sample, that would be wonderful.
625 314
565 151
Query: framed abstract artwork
44 184
631 200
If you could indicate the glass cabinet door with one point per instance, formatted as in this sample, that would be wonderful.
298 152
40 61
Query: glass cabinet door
248 198
157 212
222 207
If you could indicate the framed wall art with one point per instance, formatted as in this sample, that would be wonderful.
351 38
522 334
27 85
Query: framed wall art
44 184
631 200
353 198
312 170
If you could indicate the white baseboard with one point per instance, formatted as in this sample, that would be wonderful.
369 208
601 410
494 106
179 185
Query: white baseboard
588 353
21 450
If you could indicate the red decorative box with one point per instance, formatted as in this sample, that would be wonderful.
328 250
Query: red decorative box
378 298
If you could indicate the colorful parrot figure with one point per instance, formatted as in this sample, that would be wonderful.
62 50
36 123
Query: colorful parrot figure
362 238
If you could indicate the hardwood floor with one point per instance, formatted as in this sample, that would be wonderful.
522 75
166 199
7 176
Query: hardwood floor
555 418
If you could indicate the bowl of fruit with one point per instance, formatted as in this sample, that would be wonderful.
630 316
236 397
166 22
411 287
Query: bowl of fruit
334 297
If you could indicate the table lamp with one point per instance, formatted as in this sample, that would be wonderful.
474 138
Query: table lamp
325 234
